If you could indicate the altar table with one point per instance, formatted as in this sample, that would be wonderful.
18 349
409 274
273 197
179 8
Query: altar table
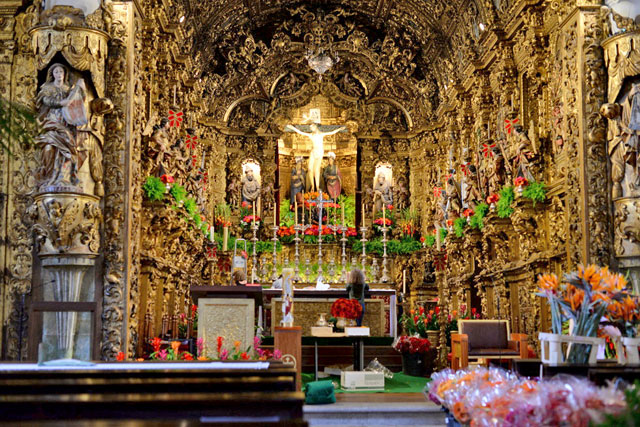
380 309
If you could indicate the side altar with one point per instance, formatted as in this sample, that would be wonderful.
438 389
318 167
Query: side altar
380 308
227 311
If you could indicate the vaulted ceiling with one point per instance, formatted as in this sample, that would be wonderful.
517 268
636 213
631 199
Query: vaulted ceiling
397 50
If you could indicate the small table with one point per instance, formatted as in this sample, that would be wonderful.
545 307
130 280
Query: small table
358 351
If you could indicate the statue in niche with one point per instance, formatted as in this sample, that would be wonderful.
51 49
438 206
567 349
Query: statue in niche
60 111
494 171
250 187
367 198
317 152
298 176
332 177
401 195
525 152
159 148
382 193
472 194
454 197
624 133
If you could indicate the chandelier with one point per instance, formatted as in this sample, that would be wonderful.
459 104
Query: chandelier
320 61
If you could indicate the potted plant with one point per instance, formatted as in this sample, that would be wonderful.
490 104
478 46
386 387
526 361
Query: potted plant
413 350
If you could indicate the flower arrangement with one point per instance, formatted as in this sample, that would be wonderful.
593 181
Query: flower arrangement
412 345
171 353
520 181
585 297
493 199
347 308
417 323
493 396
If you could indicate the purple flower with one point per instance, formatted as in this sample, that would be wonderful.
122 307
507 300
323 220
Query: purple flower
224 354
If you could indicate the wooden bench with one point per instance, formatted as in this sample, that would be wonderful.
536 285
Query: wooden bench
153 391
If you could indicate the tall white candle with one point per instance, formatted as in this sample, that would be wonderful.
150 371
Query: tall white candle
438 243
384 216
253 206
363 217
274 214
295 206
343 214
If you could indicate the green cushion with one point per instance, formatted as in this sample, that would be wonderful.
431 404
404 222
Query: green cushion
319 392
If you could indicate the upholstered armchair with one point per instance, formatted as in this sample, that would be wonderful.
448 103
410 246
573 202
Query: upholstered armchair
485 339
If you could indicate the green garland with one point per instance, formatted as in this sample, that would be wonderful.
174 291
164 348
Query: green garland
503 207
443 234
459 225
154 189
477 219
394 247
536 192
430 240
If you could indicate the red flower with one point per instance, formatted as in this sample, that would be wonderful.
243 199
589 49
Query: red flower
219 339
421 239
437 309
120 357
467 212
390 207
187 356
156 344
167 179
244 254
244 356
449 222
421 310
387 222
406 344
347 308
493 198
520 181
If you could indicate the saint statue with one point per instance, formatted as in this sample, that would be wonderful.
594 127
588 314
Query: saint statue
525 153
250 187
472 194
401 194
298 175
382 193
160 148
317 152
624 134
60 111
454 198
332 177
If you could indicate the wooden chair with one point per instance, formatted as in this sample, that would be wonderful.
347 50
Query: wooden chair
485 339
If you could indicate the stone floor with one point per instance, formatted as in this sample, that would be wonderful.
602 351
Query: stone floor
375 409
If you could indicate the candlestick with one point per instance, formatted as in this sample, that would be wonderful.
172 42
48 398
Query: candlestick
274 269
404 281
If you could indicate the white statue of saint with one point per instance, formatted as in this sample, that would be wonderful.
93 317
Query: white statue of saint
287 297
317 152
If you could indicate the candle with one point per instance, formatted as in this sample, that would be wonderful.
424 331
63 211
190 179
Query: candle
295 204
363 218
404 281
211 232
174 95
253 207
384 216
274 215
225 239
343 214
259 206
437 237
260 317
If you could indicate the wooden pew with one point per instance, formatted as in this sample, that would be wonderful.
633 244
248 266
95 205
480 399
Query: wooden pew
160 393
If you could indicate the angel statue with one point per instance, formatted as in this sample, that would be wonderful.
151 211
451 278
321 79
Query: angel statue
60 111
317 151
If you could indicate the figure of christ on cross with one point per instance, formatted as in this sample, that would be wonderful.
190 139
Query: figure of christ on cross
317 151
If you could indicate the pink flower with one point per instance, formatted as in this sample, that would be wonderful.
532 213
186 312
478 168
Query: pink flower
162 354
277 354
256 341
224 354
200 345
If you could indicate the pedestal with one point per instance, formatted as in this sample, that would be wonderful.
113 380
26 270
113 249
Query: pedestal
289 342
